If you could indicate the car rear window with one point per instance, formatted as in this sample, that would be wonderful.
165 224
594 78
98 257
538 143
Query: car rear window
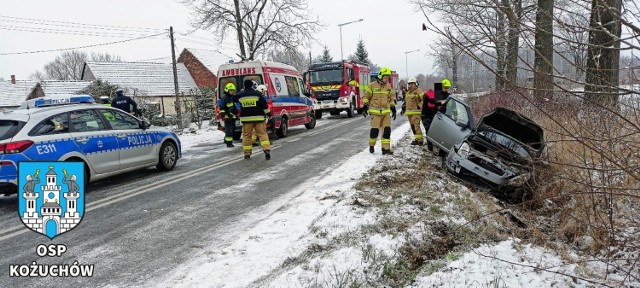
9 128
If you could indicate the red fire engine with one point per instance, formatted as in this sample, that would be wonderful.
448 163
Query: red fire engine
330 87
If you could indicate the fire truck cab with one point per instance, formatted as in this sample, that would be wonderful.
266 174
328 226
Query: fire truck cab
287 96
329 83
394 81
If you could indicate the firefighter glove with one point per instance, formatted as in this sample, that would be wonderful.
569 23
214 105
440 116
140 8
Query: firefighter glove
365 110
404 108
393 112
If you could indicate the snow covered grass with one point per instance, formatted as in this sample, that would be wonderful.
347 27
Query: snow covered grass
192 136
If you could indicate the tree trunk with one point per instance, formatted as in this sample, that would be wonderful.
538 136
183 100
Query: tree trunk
543 63
243 52
454 64
603 54
500 50
513 42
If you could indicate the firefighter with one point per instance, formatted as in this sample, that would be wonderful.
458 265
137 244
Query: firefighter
412 107
379 102
254 136
253 113
229 112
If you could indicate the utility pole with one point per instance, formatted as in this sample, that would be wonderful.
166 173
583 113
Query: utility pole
340 25
175 78
310 61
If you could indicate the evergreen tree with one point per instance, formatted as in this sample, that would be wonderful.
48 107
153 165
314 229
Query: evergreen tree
326 57
361 55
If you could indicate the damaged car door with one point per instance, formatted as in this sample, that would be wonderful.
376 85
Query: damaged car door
451 124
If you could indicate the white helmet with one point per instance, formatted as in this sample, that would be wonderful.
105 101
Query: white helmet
262 88
412 80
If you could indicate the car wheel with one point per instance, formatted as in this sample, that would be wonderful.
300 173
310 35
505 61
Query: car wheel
351 110
318 114
312 122
168 156
284 128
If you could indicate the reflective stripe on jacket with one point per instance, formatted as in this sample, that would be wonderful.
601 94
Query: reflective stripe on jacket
253 107
379 97
413 100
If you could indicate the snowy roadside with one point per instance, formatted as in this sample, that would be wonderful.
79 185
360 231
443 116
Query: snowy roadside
382 221
280 236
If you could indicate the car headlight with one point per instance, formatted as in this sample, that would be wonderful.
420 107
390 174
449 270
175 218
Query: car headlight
464 150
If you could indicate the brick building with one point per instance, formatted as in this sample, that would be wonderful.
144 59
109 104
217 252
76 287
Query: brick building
202 65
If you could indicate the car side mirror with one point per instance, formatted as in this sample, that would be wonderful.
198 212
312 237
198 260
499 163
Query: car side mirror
144 124
307 92
461 123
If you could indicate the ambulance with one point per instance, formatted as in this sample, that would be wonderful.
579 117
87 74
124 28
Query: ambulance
287 96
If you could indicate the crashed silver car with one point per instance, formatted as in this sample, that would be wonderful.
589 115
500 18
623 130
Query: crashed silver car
499 151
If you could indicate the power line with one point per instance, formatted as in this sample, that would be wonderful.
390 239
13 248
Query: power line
71 32
81 47
78 26
45 22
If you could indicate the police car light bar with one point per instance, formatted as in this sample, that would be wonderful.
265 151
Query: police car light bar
57 100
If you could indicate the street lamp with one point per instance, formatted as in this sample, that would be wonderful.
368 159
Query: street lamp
343 24
406 62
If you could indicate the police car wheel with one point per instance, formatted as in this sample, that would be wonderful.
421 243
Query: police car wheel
168 156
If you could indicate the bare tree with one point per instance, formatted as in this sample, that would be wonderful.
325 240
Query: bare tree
69 64
294 58
105 57
259 25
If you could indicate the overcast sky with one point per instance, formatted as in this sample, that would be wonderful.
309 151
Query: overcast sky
389 29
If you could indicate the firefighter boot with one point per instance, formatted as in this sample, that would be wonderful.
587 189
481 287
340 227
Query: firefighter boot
387 152
230 145
414 142
267 154
247 156
429 146
371 149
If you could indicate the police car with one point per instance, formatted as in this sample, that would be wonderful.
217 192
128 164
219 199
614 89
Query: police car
74 128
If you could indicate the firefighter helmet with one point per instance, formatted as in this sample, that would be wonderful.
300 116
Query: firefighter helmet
384 71
412 80
262 88
229 87
446 83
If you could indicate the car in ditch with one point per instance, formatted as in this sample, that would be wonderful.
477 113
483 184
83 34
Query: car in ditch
501 151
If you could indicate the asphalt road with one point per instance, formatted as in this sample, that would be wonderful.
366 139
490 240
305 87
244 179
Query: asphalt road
139 226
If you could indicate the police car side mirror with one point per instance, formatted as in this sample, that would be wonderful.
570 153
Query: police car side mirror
144 124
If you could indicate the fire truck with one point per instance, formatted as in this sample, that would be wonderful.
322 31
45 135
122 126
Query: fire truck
394 80
330 87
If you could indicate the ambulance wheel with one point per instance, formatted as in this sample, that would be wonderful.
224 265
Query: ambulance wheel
352 110
318 114
283 131
312 122
86 171
237 135
168 156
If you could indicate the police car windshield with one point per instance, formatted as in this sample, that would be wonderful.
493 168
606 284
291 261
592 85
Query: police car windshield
327 77
9 128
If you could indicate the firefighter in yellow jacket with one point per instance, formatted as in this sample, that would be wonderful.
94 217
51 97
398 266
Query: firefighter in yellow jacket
412 106
379 102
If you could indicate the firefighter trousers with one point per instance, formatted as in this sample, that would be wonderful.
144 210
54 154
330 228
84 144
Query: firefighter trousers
229 128
381 122
415 127
261 129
